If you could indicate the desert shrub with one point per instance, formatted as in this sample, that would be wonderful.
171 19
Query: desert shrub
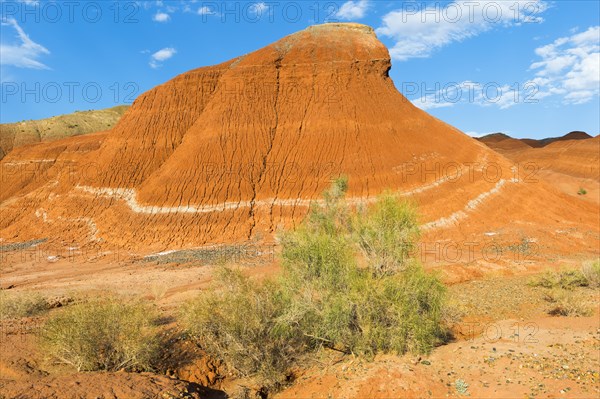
382 301
582 191
567 279
387 233
239 324
566 303
546 280
347 284
461 387
110 334
591 272
572 278
21 304
396 313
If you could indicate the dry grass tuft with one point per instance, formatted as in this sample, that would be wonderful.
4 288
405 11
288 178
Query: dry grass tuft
567 303
22 304
109 334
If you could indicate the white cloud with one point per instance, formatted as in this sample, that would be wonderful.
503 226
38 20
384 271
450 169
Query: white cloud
205 10
164 54
258 8
24 54
353 10
161 17
570 66
419 31
569 69
161 55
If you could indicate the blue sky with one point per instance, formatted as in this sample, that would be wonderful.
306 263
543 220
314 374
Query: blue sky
527 68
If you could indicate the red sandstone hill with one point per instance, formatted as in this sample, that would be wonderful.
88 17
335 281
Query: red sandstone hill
237 150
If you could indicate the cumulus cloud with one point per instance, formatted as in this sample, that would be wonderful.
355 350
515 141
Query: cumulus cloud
258 8
160 56
161 17
24 53
206 10
569 69
353 10
570 66
419 31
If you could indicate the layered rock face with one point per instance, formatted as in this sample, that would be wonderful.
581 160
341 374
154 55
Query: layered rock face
238 150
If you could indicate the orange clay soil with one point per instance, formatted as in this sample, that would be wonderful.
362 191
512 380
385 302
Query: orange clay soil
238 150
543 360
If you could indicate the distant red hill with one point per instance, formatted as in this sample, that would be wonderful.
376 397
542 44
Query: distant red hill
575 135
504 141
571 163
501 141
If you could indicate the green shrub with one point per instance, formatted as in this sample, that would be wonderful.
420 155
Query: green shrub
567 279
239 324
388 305
109 334
461 387
572 278
566 303
347 284
582 191
394 314
591 271
546 280
387 233
22 304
